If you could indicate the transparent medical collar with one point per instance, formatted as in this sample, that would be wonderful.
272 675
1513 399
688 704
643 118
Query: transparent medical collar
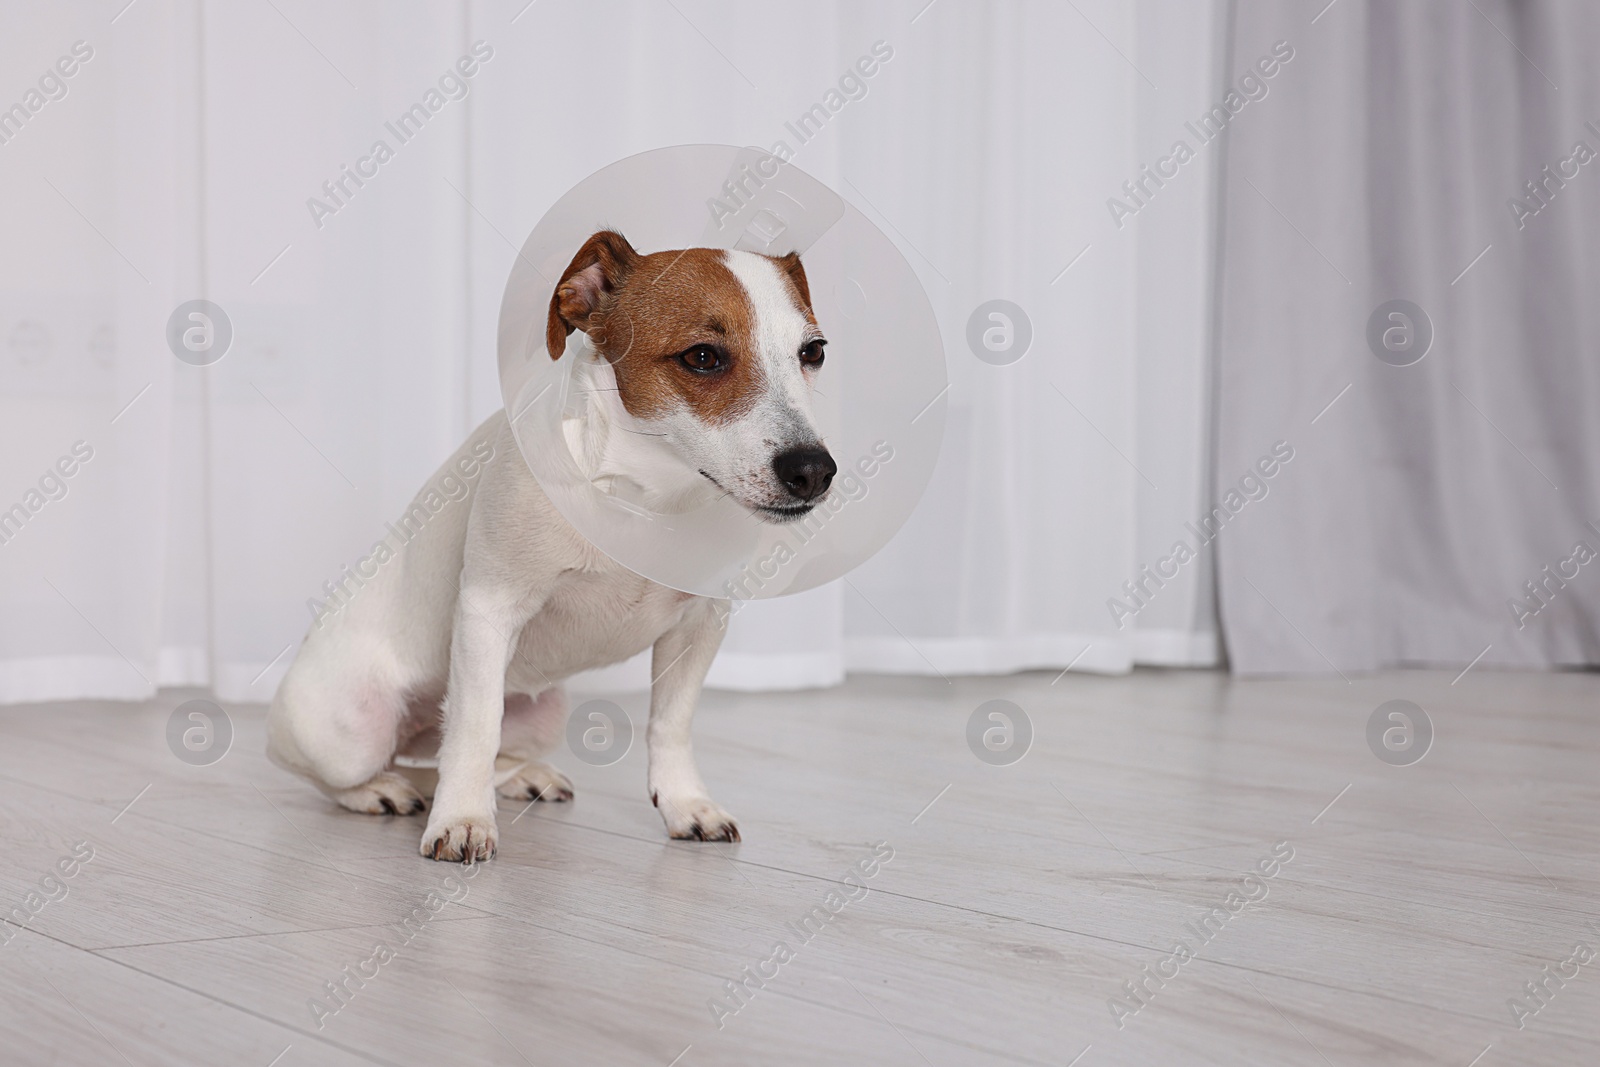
879 398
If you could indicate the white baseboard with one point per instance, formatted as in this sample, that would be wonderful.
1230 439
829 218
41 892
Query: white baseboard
1176 648
48 678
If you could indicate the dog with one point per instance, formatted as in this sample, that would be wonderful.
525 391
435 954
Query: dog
702 389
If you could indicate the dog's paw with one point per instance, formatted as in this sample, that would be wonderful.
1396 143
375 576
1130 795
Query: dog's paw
463 839
385 793
536 781
695 818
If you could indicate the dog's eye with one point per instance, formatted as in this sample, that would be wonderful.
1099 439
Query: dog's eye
702 359
811 355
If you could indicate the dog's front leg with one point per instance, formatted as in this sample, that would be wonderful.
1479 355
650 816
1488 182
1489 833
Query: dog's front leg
461 825
679 663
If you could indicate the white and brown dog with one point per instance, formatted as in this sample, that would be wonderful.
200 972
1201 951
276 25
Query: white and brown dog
462 642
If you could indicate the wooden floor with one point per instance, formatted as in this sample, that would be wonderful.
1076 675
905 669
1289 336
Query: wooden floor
1019 901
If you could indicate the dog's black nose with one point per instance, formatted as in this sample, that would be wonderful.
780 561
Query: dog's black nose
805 472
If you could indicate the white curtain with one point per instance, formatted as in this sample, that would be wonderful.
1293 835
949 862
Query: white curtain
187 158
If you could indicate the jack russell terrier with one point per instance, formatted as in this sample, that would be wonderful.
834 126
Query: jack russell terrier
461 645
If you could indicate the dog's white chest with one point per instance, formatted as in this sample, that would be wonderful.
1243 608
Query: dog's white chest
593 618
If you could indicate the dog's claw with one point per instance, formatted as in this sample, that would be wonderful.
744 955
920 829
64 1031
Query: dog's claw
464 839
696 819
537 781
726 832
385 793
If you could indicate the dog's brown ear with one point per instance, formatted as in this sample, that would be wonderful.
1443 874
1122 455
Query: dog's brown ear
589 281
790 265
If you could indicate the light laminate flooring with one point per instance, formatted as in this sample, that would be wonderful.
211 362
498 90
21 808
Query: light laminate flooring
1019 903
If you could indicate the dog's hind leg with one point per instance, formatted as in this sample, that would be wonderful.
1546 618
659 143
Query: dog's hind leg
531 728
385 793
342 738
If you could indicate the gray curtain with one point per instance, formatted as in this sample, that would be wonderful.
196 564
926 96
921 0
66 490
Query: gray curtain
1446 510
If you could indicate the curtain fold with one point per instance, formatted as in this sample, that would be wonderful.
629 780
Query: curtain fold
1442 496
207 151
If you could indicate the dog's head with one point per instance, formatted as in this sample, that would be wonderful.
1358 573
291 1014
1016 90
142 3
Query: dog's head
715 350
